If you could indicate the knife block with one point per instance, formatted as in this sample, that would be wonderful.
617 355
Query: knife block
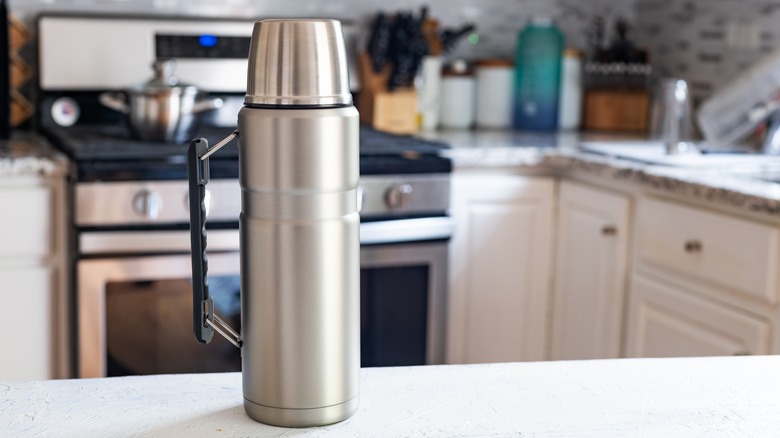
391 111
616 110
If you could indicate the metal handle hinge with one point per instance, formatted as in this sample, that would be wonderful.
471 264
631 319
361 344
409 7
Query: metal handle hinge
219 145
219 325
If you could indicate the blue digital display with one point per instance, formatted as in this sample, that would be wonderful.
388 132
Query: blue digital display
207 40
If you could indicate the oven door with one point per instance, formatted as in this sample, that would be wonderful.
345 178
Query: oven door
134 311
134 315
403 292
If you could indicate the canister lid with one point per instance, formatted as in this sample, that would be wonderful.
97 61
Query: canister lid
494 62
297 62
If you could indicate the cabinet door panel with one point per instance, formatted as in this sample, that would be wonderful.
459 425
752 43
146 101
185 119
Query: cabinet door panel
26 230
500 268
590 280
711 248
664 322
27 347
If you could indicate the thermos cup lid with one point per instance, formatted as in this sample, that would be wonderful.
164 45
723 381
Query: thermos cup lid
297 62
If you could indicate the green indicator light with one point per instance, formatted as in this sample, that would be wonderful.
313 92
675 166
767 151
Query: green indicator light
474 38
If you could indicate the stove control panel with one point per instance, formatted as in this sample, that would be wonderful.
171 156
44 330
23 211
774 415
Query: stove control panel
388 196
153 202
132 203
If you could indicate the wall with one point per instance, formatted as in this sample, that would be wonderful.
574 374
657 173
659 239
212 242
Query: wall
498 21
707 42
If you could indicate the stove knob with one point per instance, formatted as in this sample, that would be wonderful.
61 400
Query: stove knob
147 203
398 196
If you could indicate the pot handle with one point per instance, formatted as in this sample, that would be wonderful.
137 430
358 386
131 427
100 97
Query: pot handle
205 320
115 101
207 105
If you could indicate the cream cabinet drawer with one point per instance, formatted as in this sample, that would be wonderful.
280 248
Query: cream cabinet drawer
667 321
738 254
25 222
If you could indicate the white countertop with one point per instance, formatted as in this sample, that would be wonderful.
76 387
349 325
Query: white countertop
733 396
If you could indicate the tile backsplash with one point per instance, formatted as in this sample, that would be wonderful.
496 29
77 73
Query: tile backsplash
706 42
498 21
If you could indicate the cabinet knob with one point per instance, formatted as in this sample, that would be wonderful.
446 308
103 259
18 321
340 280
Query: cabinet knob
693 246
609 230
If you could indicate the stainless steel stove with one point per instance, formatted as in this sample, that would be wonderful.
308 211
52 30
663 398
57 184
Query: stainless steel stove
130 213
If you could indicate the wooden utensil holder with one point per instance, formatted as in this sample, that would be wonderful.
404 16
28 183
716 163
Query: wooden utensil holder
392 111
616 110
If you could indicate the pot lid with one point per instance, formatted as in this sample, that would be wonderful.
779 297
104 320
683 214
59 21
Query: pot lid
164 78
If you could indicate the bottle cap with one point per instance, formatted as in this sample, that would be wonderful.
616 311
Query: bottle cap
297 62
541 20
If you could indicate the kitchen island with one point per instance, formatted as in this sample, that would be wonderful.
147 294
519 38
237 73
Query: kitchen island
717 396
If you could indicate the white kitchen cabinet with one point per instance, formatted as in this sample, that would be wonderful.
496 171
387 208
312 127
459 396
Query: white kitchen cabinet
704 282
500 267
668 321
33 279
27 228
27 347
590 272
721 252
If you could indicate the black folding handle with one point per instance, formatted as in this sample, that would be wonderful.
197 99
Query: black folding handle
202 303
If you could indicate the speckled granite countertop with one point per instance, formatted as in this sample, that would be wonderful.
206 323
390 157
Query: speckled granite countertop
561 153
28 154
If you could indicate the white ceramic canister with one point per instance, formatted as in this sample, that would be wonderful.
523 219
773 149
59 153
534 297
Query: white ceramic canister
494 82
457 96
429 93
570 104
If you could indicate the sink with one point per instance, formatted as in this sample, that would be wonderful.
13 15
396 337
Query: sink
769 174
652 152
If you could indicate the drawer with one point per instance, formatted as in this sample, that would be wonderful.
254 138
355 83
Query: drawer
25 222
668 321
737 254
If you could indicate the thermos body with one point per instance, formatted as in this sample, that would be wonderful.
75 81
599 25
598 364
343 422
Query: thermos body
299 227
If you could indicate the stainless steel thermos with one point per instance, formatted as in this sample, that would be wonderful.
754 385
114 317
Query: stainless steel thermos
299 227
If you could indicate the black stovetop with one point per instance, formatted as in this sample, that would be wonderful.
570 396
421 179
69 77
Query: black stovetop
108 153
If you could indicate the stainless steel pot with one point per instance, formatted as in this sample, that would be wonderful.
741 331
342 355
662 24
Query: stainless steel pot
161 109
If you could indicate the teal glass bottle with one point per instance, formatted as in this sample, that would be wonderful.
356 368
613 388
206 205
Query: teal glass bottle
537 76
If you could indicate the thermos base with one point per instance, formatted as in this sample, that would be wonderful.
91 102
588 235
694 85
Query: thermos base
301 417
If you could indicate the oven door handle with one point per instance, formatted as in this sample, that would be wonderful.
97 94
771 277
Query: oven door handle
204 318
